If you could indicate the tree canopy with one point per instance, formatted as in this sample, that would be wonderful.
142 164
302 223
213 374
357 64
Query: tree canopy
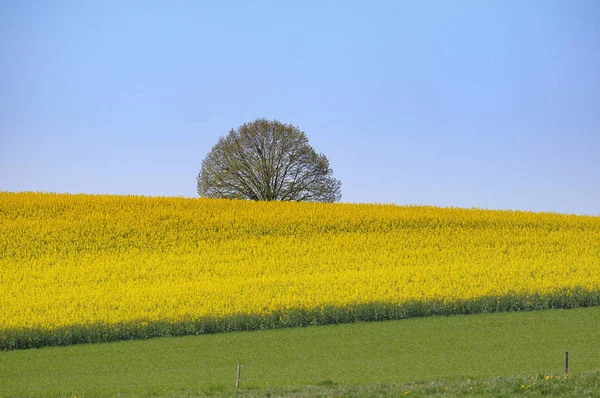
267 160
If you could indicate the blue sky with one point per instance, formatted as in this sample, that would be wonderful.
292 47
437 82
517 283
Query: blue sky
491 104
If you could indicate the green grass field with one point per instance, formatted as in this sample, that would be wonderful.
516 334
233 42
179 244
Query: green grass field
498 352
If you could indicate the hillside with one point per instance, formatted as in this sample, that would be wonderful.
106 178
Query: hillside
83 268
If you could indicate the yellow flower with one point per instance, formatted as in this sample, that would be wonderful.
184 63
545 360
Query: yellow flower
69 260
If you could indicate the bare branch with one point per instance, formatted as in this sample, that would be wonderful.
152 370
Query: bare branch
267 160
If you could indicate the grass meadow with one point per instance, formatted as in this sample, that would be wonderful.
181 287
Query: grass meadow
487 354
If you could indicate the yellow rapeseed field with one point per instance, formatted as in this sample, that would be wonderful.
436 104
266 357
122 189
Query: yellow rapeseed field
73 262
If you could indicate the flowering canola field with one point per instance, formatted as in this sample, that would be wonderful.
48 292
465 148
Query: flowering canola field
89 268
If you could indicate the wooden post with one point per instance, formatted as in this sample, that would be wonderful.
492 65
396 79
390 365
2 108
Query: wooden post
567 362
237 379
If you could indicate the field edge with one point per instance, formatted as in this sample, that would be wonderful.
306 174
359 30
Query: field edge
24 338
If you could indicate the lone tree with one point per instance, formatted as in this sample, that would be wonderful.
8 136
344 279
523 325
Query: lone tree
267 160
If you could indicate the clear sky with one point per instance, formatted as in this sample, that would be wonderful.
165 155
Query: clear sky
491 104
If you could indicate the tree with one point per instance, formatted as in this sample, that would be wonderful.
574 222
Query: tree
267 160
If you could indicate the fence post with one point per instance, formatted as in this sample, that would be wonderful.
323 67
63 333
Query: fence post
237 379
566 361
